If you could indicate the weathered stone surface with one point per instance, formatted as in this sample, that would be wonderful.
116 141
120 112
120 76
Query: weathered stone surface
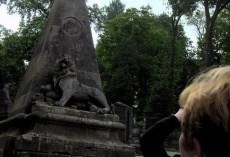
66 90
135 140
125 117
65 131
44 108
5 101
67 31
36 129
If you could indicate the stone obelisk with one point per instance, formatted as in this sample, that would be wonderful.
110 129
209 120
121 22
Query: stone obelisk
43 129
67 31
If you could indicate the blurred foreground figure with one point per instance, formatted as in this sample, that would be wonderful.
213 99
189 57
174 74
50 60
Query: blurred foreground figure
203 118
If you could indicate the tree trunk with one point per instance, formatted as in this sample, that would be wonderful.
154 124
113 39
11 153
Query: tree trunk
172 56
220 5
208 46
175 21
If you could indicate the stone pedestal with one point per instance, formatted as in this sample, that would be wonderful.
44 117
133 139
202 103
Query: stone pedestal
65 132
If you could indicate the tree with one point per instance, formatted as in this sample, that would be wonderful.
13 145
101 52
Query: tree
99 16
121 52
221 35
16 50
179 9
133 54
29 8
198 20
212 9
11 63
17 47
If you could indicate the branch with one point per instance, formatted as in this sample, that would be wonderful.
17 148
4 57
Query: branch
223 6
40 7
218 9
207 13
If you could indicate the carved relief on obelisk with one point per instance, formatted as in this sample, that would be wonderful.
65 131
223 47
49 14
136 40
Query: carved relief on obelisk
67 31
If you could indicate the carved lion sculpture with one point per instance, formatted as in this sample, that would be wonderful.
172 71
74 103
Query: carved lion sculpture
67 88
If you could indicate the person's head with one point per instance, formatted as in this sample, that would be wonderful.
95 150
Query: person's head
205 128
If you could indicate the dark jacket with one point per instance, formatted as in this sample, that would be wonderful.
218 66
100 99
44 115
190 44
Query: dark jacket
152 140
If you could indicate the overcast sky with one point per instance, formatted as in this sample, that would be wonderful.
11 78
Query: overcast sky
12 21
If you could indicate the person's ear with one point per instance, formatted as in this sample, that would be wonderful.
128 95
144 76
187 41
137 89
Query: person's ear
197 148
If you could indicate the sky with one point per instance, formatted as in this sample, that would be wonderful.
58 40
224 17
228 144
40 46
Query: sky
158 7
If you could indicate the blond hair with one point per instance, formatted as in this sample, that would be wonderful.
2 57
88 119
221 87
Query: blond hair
208 96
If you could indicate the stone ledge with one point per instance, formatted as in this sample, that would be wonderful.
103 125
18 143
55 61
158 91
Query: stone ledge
65 145
82 149
46 108
75 117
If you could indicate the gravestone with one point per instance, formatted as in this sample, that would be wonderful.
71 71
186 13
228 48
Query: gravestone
125 117
60 109
5 100
135 140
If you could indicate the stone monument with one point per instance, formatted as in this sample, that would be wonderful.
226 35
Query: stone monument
5 101
60 109
125 116
135 140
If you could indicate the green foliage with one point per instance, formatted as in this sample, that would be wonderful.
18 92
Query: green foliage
181 7
120 51
221 35
30 8
16 50
11 61
212 9
220 43
133 53
99 16
115 8
4 32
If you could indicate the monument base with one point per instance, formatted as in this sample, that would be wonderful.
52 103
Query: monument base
65 132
